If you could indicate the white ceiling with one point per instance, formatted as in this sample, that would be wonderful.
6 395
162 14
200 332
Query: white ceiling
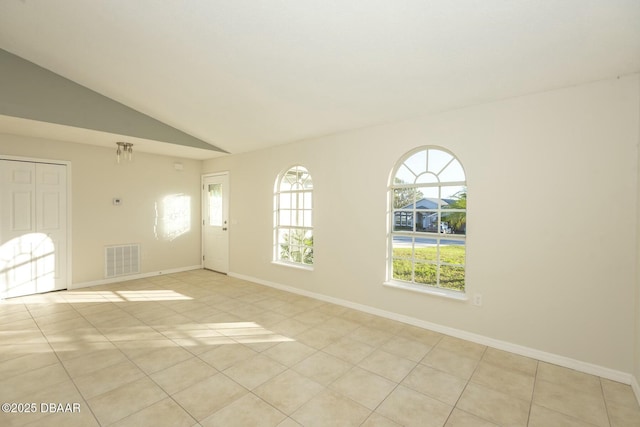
245 75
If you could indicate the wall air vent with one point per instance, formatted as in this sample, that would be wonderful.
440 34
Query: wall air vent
121 260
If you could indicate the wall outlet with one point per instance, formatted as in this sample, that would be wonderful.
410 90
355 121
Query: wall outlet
477 299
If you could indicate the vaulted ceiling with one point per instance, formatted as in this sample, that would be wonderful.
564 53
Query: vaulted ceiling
246 75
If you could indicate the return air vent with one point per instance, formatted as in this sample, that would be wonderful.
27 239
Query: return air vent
121 260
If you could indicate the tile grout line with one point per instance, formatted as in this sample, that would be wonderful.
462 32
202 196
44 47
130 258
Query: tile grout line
127 358
399 383
62 364
168 395
606 406
197 356
455 405
533 392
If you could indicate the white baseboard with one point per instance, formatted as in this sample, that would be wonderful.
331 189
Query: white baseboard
543 356
132 277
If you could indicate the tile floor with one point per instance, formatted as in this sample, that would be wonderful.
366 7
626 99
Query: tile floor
203 349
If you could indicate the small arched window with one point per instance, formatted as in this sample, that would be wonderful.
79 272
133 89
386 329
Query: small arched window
293 209
428 215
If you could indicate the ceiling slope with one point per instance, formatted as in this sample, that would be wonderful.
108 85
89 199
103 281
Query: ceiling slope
31 92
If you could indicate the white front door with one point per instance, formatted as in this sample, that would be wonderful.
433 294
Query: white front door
33 228
215 222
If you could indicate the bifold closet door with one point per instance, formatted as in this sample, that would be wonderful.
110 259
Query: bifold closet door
33 228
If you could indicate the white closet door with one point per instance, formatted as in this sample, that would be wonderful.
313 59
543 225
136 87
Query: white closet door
51 221
33 228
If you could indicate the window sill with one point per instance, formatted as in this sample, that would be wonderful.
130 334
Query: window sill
444 293
293 265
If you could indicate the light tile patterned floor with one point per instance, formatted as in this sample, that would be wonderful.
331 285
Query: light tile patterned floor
203 349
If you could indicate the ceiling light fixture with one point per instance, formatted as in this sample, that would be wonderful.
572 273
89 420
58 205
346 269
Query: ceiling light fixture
125 148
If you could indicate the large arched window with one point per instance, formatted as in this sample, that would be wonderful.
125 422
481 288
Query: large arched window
293 227
428 221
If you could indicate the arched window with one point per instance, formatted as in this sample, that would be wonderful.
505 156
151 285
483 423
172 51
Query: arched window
428 215
293 226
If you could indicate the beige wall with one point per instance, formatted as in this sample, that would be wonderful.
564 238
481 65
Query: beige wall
552 218
142 185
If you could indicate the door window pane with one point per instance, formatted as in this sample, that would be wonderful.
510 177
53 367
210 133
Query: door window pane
215 205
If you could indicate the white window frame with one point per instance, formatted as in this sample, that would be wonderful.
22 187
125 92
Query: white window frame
296 218
412 234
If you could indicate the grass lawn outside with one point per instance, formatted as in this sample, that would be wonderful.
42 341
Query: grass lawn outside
426 268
